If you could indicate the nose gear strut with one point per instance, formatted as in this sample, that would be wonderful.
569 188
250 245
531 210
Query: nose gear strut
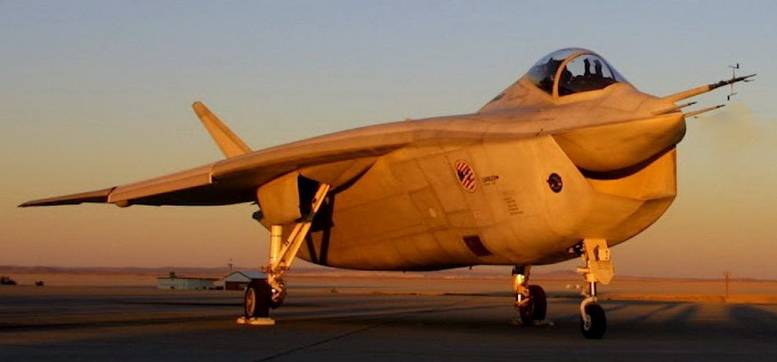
598 269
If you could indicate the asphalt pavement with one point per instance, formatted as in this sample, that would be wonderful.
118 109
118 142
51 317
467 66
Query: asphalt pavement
342 323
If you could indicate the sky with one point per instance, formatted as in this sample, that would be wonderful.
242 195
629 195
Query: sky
98 93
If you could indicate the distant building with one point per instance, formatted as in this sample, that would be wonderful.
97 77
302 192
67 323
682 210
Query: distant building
6 280
239 280
173 281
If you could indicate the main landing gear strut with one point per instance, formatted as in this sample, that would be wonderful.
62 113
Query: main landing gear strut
262 295
598 269
530 300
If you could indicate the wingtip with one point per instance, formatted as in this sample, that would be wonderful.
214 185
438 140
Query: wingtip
32 203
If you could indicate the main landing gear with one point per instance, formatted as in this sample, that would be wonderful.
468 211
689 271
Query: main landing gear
265 294
598 269
530 300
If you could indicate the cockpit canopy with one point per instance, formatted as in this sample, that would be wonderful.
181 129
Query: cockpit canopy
573 70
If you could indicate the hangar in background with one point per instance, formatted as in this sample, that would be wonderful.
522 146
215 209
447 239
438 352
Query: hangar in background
173 281
238 280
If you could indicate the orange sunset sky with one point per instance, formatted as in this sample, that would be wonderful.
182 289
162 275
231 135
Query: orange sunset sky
98 94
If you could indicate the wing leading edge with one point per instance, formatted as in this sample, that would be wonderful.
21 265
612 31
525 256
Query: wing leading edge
199 186
237 178
98 196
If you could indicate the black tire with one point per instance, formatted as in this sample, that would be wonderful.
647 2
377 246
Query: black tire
598 322
256 299
536 307
540 302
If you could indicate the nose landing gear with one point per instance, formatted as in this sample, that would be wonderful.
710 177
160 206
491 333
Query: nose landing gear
598 269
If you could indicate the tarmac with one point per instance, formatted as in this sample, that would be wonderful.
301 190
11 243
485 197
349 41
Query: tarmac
369 319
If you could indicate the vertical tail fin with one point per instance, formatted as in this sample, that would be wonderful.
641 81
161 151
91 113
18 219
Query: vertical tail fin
229 143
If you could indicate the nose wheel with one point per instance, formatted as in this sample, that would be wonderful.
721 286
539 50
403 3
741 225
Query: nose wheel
593 321
598 269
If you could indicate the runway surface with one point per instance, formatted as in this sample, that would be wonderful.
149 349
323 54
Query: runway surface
355 320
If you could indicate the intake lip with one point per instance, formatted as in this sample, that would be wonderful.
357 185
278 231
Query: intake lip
626 171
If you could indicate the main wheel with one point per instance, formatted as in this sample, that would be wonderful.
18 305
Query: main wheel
256 300
535 308
595 325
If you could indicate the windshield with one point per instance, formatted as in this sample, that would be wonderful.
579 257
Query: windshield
583 71
543 72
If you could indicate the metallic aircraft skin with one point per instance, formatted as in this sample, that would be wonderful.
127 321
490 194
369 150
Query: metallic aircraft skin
548 171
422 214
409 213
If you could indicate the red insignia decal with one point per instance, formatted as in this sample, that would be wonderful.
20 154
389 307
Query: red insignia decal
466 176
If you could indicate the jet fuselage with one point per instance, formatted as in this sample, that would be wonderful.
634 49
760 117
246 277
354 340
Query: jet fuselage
521 201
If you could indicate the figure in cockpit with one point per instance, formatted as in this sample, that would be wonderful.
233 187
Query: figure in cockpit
566 76
587 64
598 68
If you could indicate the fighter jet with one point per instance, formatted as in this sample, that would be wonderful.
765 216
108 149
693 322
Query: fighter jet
567 162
